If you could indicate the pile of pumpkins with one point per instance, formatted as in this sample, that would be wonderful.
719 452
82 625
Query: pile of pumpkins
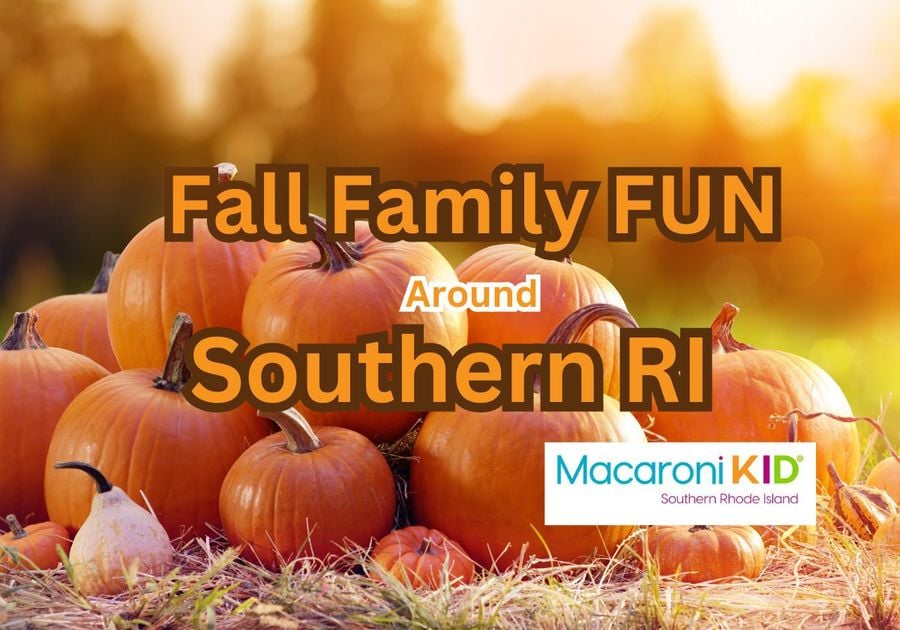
95 423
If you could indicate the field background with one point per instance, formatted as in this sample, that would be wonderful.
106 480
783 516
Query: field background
99 95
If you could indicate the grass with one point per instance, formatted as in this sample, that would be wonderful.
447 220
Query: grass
839 581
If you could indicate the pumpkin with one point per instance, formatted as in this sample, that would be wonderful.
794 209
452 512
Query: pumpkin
566 286
786 535
859 509
78 322
479 476
887 536
749 386
118 540
32 547
39 383
423 558
886 475
334 292
702 554
304 493
138 427
154 280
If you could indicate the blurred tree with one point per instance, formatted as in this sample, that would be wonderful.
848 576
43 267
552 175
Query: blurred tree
79 125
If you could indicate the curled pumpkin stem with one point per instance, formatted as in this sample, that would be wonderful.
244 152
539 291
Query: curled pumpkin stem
297 431
100 480
573 326
336 255
723 340
794 416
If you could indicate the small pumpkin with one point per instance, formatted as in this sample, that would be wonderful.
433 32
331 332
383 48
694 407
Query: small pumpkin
32 547
479 476
423 558
305 493
786 535
78 322
39 383
703 554
137 427
887 536
886 475
751 385
333 292
566 286
857 508
118 539
156 279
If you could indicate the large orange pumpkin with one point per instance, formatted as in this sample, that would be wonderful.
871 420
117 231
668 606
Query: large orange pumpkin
78 322
334 292
566 286
32 547
479 477
138 428
154 280
750 386
39 383
305 493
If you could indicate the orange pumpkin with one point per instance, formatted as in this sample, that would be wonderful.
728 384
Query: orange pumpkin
304 493
886 475
39 383
32 547
703 554
887 536
423 558
566 286
334 292
78 322
154 280
479 477
749 386
138 428
784 535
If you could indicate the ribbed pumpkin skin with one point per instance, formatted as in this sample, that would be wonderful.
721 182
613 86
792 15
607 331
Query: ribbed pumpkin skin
78 323
291 303
147 440
886 475
154 280
420 557
565 287
37 549
281 504
703 554
38 386
751 385
479 478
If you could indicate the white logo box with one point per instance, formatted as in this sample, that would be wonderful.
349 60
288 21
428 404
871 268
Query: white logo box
597 483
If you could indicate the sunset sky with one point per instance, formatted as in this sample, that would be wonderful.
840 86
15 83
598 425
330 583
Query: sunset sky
506 47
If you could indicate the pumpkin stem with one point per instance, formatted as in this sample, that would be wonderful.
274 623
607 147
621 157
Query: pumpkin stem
723 340
570 329
102 482
175 373
101 282
698 528
23 335
425 547
567 260
226 171
794 416
833 473
15 527
299 434
336 256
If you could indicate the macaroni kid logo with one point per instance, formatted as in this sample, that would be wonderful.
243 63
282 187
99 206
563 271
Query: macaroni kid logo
662 483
